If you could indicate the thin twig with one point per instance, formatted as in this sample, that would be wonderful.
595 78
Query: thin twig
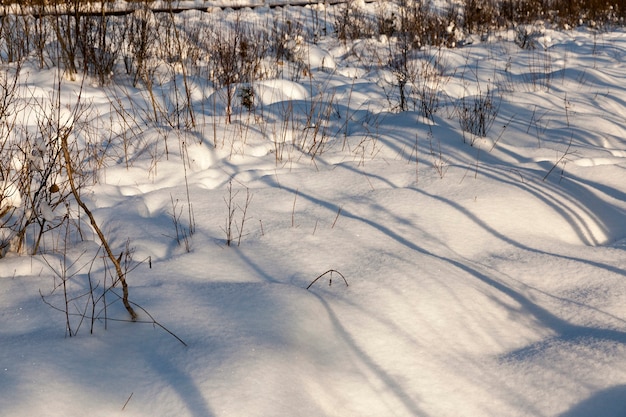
330 271
336 217
565 154
156 323
293 209
126 403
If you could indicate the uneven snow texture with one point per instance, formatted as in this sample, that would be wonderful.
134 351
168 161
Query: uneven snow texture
484 279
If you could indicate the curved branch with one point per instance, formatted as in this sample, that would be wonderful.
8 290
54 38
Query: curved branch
94 224
330 271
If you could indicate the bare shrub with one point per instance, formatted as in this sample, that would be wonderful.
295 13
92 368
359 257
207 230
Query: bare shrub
34 189
15 33
316 132
430 83
423 25
41 33
173 55
141 37
101 44
477 114
237 55
386 20
66 23
288 46
513 12
12 161
479 16
352 23
44 186
526 36
234 228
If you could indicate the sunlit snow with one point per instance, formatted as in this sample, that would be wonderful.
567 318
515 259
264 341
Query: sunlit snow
486 275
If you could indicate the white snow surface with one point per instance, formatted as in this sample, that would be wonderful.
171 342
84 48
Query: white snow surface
483 280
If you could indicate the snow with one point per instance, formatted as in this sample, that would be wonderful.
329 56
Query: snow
482 280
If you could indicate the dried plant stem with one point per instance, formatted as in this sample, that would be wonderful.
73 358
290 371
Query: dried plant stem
94 224
230 218
562 159
244 211
126 403
336 217
293 210
330 281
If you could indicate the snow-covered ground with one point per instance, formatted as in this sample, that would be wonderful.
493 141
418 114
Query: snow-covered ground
486 275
